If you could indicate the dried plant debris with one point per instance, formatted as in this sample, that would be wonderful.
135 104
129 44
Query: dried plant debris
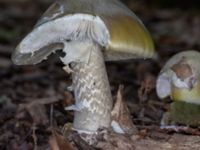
147 86
158 141
121 118
180 129
116 141
32 99
58 142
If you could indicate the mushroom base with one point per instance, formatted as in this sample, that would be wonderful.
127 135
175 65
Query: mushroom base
92 93
182 113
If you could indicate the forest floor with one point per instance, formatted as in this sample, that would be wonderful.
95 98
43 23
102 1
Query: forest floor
32 98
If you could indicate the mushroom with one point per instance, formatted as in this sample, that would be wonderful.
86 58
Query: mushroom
179 79
88 32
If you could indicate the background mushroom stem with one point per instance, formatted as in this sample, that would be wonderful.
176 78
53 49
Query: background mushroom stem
92 93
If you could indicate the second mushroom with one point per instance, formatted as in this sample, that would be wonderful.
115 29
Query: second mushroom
88 32
179 79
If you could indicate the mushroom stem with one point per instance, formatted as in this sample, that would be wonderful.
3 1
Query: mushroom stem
92 93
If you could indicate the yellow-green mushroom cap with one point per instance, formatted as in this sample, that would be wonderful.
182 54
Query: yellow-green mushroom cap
179 78
106 22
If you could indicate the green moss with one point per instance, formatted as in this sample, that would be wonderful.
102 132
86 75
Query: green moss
185 113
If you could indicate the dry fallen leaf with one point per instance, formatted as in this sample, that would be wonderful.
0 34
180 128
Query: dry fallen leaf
57 142
36 108
38 114
121 118
147 85
115 141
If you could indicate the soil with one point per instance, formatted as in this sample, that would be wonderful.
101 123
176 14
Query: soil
32 98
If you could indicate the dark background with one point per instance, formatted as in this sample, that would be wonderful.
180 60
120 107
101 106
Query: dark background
32 98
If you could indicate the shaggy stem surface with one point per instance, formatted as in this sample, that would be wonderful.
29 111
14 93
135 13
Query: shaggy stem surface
92 93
